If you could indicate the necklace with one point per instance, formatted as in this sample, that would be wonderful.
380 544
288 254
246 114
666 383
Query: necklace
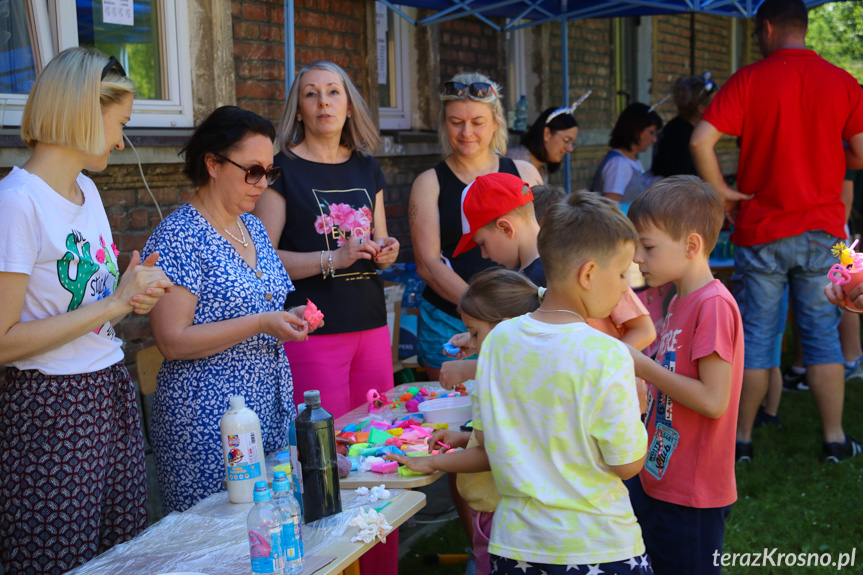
578 315
242 233
239 227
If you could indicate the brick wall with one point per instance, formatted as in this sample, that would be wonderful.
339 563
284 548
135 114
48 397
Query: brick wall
469 45
324 30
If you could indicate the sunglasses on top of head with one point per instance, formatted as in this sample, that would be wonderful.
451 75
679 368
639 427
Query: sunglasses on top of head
255 172
113 64
476 91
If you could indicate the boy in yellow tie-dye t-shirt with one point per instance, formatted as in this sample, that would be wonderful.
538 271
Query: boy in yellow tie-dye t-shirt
558 409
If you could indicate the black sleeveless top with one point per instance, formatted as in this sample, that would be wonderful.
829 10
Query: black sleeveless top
469 263
326 205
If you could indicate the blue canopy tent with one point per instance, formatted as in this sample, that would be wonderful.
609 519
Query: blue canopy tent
526 13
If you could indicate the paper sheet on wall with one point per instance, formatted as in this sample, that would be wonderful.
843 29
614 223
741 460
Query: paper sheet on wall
118 12
381 26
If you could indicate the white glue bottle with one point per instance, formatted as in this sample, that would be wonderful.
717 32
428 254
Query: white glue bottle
243 448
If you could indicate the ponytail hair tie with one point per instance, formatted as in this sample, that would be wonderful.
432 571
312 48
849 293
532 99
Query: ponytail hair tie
540 293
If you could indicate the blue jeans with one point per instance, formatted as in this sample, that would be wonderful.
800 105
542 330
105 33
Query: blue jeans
761 274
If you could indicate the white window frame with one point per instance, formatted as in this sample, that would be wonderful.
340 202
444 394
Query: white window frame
516 66
56 26
400 117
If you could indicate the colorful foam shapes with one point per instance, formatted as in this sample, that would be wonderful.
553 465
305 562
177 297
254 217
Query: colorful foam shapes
395 431
362 436
352 428
378 436
386 467
412 405
403 470
356 448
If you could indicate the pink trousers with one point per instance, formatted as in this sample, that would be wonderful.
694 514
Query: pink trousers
344 367
481 533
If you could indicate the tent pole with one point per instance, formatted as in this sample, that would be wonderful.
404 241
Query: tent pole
290 58
564 46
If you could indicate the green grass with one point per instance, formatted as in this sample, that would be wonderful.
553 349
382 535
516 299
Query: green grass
787 498
449 539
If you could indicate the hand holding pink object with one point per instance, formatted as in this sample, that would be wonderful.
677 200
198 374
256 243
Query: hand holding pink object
847 274
312 315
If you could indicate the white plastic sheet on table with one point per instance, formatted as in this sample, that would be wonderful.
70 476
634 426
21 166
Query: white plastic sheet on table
212 538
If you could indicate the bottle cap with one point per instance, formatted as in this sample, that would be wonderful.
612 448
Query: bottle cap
280 482
312 399
262 492
237 402
300 408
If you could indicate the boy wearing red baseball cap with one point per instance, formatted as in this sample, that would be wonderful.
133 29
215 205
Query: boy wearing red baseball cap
497 215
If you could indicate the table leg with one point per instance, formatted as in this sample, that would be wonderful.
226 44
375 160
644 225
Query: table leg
352 569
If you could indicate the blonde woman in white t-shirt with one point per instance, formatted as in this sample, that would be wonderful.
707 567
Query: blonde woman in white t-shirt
70 434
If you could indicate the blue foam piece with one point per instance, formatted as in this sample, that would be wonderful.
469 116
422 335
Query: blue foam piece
389 449
355 463
450 348
352 428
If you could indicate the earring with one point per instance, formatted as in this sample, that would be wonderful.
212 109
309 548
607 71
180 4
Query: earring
299 119
349 114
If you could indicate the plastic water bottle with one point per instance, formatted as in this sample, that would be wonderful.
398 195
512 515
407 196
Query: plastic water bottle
316 442
292 524
521 114
243 448
265 534
296 467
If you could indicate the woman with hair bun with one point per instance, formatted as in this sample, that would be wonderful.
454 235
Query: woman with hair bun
73 482
620 175
692 94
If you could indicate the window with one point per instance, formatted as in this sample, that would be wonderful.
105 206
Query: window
144 35
394 74
516 75
739 44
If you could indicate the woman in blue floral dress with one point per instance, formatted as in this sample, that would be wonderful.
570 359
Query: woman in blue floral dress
221 327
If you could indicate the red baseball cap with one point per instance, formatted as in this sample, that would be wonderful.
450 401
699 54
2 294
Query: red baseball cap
487 198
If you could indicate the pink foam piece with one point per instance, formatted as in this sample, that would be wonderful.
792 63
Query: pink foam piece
398 442
386 467
382 425
412 406
421 431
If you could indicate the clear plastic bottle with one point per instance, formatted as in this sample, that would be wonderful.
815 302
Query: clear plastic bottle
316 442
292 523
243 448
296 467
265 534
521 114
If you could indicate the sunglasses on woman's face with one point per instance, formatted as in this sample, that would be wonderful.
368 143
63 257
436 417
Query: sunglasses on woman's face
477 90
255 172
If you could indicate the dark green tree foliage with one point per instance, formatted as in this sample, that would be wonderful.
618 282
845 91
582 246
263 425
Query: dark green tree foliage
836 33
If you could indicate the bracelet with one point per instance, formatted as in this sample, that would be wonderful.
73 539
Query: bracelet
331 270
323 271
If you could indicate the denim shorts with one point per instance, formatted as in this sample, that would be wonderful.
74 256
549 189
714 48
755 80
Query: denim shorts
761 274
435 329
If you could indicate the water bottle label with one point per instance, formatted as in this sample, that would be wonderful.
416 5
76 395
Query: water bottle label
241 453
266 552
292 539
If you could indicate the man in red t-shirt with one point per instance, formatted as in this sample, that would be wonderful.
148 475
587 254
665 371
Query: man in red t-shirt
792 111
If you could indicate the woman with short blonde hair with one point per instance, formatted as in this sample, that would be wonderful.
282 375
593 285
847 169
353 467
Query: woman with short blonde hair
68 409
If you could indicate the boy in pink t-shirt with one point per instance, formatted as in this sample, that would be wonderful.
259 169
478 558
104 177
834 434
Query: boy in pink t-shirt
687 486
